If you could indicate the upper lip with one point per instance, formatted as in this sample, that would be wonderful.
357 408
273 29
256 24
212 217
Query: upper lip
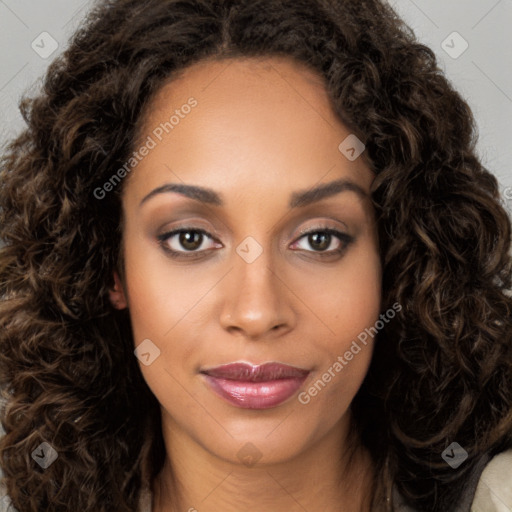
246 372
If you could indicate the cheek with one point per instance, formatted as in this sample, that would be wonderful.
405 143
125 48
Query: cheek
165 300
349 304
344 356
359 300
160 295
347 299
160 306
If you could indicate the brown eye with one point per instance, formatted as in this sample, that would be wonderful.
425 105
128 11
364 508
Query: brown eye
190 242
185 240
322 239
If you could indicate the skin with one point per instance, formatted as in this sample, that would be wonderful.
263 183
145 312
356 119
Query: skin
262 130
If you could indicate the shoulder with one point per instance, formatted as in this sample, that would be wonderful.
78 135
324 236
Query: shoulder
145 500
5 502
489 490
494 490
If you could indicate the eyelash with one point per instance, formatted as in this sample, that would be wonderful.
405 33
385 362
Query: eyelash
345 239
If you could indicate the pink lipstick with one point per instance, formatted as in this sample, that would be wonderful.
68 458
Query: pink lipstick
255 386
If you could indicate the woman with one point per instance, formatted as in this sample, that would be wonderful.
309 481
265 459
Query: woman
277 208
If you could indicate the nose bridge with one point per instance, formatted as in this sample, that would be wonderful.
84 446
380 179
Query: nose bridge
256 301
255 272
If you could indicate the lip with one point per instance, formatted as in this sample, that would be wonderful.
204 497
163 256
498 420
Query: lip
251 386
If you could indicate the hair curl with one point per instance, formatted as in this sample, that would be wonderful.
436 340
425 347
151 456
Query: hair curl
440 370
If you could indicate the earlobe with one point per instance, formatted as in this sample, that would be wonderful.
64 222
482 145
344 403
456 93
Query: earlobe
117 295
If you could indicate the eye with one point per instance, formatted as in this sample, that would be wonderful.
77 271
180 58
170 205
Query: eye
189 242
181 241
322 241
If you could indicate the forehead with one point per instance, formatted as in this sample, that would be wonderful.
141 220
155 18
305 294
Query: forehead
252 78
256 121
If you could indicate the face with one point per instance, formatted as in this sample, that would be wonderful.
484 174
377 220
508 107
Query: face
249 238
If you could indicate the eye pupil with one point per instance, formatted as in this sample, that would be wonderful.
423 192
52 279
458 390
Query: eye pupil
320 241
189 239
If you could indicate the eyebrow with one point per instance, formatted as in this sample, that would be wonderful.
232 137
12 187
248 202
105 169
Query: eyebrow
298 199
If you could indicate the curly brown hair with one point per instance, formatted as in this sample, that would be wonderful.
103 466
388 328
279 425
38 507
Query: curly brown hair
441 371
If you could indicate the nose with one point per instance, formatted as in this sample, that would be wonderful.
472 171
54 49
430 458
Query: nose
257 301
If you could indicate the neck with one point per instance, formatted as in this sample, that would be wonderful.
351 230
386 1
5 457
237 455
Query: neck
196 480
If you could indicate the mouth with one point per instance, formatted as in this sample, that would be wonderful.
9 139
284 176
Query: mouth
255 386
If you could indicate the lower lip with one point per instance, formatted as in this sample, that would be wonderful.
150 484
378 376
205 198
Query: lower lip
255 395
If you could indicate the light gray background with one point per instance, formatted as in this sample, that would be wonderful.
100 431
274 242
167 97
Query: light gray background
483 73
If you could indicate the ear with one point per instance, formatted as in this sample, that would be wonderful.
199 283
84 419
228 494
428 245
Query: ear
117 295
